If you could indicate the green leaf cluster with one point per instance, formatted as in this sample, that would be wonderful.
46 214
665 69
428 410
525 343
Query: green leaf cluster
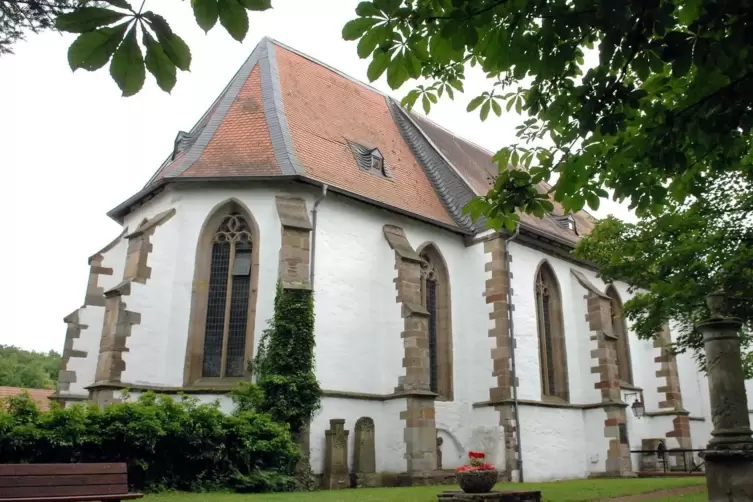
676 258
649 99
28 369
167 443
136 42
284 365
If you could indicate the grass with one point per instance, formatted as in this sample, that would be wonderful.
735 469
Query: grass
557 491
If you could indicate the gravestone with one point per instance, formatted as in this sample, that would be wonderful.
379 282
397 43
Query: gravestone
336 456
364 455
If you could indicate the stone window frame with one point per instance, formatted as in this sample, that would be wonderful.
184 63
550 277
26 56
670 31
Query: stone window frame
620 331
193 369
557 367
437 265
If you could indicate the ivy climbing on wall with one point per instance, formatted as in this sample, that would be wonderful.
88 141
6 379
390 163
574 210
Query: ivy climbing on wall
284 364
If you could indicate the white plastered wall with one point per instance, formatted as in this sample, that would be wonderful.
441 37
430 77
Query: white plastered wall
92 317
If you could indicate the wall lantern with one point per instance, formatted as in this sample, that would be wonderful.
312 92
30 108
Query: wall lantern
638 408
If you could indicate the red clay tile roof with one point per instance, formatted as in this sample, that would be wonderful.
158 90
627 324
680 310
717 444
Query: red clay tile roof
324 110
241 146
287 115
41 396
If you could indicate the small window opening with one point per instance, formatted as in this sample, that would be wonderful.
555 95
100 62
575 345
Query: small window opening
242 263
377 161
567 222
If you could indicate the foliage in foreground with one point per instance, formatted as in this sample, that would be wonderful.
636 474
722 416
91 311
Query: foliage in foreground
18 18
28 369
677 258
167 444
660 113
649 99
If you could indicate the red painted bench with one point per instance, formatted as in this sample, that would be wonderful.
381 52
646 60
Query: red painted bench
64 482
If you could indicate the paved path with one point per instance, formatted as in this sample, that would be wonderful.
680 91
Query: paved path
658 495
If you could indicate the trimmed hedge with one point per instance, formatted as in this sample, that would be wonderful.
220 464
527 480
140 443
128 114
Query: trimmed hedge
167 443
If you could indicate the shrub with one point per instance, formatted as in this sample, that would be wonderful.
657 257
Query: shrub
167 443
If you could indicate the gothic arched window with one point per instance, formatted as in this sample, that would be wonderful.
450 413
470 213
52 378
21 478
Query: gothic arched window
224 297
552 354
619 328
435 291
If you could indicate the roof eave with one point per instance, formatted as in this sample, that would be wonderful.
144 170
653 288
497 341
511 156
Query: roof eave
118 213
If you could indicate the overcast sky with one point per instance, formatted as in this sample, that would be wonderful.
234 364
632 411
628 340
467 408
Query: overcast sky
71 147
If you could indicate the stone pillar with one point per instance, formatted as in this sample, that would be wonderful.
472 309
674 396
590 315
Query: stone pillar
420 433
604 364
729 459
336 456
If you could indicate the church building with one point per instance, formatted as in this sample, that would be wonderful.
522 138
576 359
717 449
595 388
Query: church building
449 336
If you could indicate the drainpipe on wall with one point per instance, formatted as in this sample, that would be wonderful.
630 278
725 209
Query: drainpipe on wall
313 233
513 346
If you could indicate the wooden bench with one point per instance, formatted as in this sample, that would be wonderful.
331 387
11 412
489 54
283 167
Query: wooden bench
64 482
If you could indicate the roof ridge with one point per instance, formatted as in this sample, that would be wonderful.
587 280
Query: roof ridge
274 113
325 65
219 112
437 168
454 134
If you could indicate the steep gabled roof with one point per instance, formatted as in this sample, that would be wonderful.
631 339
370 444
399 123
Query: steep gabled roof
287 116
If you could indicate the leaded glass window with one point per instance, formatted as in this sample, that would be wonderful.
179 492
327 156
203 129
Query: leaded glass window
619 329
554 381
228 299
435 293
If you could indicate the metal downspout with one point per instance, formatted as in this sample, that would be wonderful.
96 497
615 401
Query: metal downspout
314 212
513 346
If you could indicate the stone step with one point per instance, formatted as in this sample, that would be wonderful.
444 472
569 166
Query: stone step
493 496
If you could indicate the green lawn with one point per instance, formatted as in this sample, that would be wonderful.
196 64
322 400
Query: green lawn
558 491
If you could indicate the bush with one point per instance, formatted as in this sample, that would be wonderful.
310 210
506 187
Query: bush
167 443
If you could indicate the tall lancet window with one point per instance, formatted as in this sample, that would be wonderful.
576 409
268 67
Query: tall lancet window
619 328
223 303
227 304
435 291
552 355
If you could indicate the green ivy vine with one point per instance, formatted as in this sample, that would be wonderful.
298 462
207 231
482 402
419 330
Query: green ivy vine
284 364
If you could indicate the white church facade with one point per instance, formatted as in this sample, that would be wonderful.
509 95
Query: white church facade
426 322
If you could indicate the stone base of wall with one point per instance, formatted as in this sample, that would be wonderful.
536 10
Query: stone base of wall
495 496
609 474
402 479
371 480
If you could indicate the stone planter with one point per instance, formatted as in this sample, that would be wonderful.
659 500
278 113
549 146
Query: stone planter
476 481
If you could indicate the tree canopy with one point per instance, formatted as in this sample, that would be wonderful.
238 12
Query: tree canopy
647 98
661 113
19 17
676 258
28 369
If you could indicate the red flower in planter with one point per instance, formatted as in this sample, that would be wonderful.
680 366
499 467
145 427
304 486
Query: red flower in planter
476 463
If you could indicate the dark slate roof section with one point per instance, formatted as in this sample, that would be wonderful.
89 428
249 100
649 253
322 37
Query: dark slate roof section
453 190
198 147
274 112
